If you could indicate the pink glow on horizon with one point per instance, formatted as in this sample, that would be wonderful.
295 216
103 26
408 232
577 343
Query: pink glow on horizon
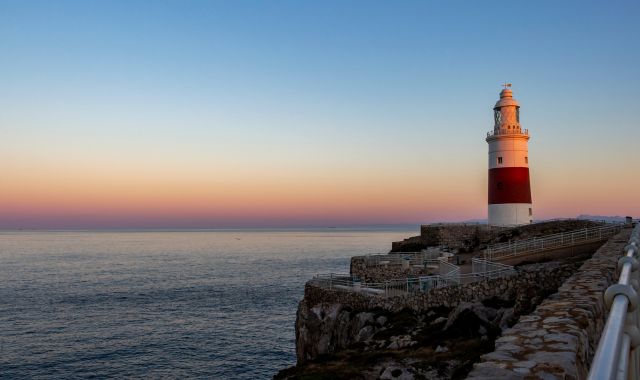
110 199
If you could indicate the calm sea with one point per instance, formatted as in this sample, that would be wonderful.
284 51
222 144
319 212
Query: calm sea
197 304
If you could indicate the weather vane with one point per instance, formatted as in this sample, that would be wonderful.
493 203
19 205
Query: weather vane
506 85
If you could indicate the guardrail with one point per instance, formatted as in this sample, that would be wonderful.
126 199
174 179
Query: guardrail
560 240
484 269
617 355
449 275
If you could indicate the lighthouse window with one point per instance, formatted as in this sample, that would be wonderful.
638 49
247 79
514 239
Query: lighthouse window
518 114
526 159
530 212
499 160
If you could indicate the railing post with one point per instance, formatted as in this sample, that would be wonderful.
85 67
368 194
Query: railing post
633 321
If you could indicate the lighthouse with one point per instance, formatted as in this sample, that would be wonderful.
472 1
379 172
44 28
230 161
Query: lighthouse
509 187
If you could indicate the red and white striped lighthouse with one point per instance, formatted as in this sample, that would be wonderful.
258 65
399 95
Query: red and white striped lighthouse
509 188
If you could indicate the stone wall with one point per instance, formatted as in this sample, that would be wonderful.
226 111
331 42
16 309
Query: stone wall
411 244
379 273
558 340
529 281
457 237
454 236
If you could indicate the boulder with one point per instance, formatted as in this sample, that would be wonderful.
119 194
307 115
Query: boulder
473 319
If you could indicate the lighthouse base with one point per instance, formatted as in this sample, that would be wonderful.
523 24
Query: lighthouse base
510 214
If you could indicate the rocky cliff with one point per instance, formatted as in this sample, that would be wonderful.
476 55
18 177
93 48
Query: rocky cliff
542 322
438 335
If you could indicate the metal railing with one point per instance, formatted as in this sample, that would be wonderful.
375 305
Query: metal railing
485 268
617 355
560 240
515 131
448 275
482 269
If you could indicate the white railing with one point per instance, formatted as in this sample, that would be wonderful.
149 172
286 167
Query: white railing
482 269
617 355
502 131
560 240
448 275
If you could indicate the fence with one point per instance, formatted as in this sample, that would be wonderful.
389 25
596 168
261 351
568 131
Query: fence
448 275
485 269
617 355
560 240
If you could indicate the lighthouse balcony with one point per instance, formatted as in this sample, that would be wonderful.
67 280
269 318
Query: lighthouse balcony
502 131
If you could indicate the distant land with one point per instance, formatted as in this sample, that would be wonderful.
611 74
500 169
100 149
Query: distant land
603 218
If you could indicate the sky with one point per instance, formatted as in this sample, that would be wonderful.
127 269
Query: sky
212 114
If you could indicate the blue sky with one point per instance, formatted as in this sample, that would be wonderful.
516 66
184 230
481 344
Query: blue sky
400 91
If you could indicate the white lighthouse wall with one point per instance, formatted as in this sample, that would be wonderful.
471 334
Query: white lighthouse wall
514 152
510 214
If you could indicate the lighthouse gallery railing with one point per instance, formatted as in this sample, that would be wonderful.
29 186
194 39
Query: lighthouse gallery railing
508 132
617 355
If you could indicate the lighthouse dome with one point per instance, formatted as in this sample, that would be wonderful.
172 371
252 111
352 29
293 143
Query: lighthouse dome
506 99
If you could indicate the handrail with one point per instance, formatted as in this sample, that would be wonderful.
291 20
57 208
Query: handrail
559 240
449 275
617 355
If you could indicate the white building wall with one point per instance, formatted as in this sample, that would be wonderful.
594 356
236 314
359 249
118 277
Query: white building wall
514 151
510 214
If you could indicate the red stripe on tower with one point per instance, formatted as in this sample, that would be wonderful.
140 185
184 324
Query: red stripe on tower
509 185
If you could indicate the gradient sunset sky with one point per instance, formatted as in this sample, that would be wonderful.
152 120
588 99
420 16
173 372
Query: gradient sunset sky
209 114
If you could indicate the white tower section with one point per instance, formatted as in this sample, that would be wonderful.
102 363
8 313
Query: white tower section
509 187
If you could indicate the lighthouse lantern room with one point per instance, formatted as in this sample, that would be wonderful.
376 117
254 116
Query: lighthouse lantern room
509 188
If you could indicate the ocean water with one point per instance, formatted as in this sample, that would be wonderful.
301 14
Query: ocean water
161 304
